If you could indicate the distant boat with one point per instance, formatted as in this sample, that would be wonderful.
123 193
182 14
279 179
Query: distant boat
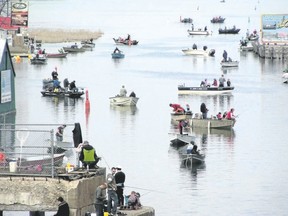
73 49
123 101
229 30
205 90
60 54
186 20
217 19
197 32
229 63
117 55
38 59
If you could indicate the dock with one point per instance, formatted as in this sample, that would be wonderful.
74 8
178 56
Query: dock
271 51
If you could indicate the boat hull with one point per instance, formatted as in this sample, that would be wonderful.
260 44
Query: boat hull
73 50
71 94
190 159
117 55
230 64
211 123
195 52
197 32
123 101
228 31
205 90
182 140
57 55
176 117
125 42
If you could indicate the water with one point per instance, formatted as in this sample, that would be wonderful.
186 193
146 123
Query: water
245 171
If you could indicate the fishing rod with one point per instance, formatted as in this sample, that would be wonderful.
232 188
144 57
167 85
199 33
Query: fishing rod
106 163
144 189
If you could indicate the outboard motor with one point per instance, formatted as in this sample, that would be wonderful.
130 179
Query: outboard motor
205 48
212 52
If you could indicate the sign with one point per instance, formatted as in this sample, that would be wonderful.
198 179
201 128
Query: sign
6 86
274 28
19 14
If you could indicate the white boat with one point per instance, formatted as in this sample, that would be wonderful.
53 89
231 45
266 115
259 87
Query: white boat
189 51
229 63
197 32
204 90
212 123
123 101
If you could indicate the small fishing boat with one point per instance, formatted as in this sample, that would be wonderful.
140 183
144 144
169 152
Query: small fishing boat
190 159
88 43
186 20
123 101
43 160
217 19
61 54
229 63
182 89
182 140
233 30
117 55
197 32
122 41
38 59
75 93
73 49
203 52
211 123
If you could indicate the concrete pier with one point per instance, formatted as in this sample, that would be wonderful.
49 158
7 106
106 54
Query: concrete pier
39 194
271 51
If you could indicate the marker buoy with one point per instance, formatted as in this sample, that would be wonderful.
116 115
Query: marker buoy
87 102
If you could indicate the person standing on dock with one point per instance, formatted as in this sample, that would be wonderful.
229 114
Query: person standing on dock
112 195
100 198
120 180
63 208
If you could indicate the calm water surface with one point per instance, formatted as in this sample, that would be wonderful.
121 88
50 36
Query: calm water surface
245 171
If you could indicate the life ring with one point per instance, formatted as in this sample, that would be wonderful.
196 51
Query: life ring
2 156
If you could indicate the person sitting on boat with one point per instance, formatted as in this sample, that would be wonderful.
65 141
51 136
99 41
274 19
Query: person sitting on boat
206 83
205 28
66 84
54 74
192 27
222 81
195 149
132 94
123 91
188 111
194 47
75 46
204 110
230 114
215 83
229 59
202 84
219 116
228 83
72 85
44 51
205 48
177 108
189 147
88 156
116 50
225 55
56 85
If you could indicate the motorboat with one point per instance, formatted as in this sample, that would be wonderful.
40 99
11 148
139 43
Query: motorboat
182 89
123 101
182 140
199 52
73 49
218 19
122 41
75 93
233 30
197 32
38 59
117 55
229 63
211 123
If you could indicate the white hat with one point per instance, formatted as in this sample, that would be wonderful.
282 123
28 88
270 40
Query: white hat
118 167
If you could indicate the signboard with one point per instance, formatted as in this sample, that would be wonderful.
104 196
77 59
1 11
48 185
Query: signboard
19 14
6 86
274 28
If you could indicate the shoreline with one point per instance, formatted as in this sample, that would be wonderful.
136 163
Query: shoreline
60 35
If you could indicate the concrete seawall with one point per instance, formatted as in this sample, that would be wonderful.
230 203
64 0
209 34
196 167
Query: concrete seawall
39 194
